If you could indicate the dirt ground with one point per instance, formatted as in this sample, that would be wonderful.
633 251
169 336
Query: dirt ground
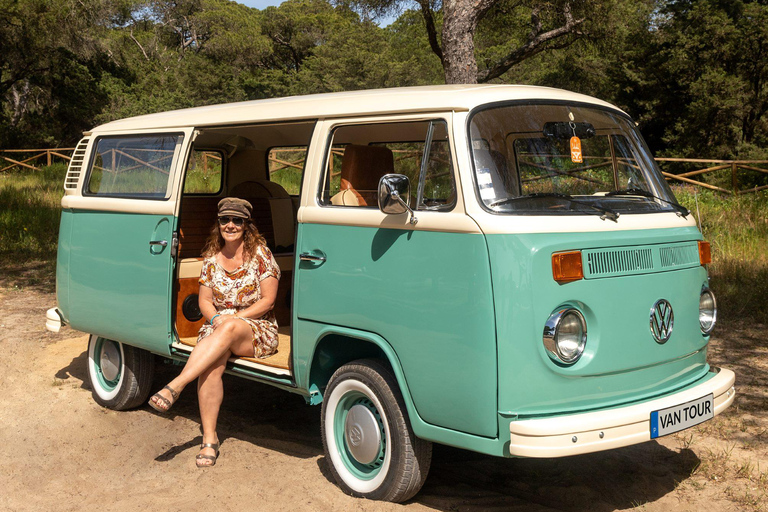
61 451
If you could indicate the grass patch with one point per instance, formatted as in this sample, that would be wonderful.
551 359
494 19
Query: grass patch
30 213
737 228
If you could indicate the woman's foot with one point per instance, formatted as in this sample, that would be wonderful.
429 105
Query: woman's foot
209 452
164 399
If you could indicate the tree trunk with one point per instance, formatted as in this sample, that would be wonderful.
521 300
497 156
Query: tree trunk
459 23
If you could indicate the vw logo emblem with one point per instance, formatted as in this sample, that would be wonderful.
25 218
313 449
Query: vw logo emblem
662 321
356 435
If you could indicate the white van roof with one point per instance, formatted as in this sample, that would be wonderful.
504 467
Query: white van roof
346 104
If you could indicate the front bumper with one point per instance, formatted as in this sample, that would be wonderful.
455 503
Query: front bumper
53 320
575 434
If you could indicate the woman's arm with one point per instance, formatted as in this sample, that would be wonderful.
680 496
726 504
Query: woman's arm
267 301
205 301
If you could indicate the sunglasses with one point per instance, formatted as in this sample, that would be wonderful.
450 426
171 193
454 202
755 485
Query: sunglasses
237 221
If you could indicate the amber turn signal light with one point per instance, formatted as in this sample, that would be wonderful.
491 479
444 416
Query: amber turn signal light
705 252
566 266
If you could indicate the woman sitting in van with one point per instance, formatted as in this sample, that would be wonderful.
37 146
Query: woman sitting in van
238 286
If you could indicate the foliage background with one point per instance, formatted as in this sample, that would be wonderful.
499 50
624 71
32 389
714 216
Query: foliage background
693 73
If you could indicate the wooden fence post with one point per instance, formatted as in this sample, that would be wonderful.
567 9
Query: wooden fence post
734 177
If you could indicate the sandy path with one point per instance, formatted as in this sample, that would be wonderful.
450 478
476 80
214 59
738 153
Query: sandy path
63 452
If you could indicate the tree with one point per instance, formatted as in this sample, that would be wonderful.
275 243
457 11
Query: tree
49 66
551 24
698 79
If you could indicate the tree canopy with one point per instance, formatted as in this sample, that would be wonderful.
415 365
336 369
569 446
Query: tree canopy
693 73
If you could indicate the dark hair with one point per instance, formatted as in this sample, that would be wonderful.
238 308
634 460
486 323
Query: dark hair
251 240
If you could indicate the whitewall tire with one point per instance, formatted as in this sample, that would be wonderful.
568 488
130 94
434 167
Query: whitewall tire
367 437
120 375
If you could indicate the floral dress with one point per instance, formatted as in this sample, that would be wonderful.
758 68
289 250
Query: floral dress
236 290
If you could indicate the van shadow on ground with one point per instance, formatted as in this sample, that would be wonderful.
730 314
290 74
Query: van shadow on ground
281 421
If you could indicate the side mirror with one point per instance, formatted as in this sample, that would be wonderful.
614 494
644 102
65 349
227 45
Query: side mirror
392 188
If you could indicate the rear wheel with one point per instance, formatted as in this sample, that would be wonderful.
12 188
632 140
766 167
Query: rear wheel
367 437
120 375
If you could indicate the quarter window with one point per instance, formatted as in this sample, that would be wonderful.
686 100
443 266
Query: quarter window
138 166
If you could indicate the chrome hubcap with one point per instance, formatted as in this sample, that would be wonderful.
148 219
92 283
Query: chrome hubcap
362 434
109 360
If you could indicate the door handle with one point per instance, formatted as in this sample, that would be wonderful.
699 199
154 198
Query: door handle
161 243
314 258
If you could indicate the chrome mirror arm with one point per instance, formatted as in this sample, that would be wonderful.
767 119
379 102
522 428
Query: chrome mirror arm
413 220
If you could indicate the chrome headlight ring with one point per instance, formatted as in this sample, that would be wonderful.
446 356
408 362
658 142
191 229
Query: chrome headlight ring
565 335
707 311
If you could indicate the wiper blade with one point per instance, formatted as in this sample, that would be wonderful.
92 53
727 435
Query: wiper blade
681 210
606 213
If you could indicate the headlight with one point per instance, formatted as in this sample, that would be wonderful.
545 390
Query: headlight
707 311
565 335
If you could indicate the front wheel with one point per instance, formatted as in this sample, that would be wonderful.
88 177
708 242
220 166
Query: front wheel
120 375
367 438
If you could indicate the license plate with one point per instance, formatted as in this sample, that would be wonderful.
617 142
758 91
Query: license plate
677 418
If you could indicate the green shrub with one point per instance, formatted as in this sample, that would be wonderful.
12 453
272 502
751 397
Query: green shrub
30 210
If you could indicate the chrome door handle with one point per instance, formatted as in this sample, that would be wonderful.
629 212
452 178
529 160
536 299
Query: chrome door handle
161 243
306 256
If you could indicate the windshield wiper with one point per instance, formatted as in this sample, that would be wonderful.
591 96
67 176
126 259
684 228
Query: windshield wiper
606 213
680 210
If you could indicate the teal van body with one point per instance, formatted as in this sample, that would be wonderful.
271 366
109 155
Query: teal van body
623 363
453 270
436 315
132 303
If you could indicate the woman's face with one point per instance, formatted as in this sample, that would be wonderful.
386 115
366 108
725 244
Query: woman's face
229 229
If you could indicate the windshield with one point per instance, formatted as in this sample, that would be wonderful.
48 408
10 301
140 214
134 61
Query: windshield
564 159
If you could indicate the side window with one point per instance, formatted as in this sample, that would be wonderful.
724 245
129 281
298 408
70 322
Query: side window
359 155
204 174
286 166
132 166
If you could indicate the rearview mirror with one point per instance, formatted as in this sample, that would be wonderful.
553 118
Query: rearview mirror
392 188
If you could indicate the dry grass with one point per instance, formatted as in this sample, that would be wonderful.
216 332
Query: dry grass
737 228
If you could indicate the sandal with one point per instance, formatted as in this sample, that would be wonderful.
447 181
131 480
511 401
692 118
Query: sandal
161 404
212 458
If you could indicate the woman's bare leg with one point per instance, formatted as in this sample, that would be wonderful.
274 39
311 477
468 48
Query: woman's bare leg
210 394
233 336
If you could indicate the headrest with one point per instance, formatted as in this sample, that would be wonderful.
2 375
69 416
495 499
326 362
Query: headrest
259 188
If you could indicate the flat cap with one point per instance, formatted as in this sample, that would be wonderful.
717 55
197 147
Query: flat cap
235 207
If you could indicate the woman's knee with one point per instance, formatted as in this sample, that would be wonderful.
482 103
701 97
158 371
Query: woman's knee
216 370
235 330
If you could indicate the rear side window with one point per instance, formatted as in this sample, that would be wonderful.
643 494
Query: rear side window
132 166
204 172
286 166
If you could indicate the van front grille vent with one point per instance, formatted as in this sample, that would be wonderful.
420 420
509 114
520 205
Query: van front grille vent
646 259
619 261
76 165
676 256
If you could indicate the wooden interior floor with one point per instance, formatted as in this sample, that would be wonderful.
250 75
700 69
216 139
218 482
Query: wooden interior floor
279 359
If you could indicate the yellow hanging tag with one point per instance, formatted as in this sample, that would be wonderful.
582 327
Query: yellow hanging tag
576 150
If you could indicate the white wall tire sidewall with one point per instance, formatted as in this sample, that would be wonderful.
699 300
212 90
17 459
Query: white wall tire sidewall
353 482
104 394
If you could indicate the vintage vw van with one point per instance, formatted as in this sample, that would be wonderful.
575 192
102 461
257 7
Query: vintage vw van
497 268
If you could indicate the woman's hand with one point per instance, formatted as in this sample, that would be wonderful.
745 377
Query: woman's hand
221 318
